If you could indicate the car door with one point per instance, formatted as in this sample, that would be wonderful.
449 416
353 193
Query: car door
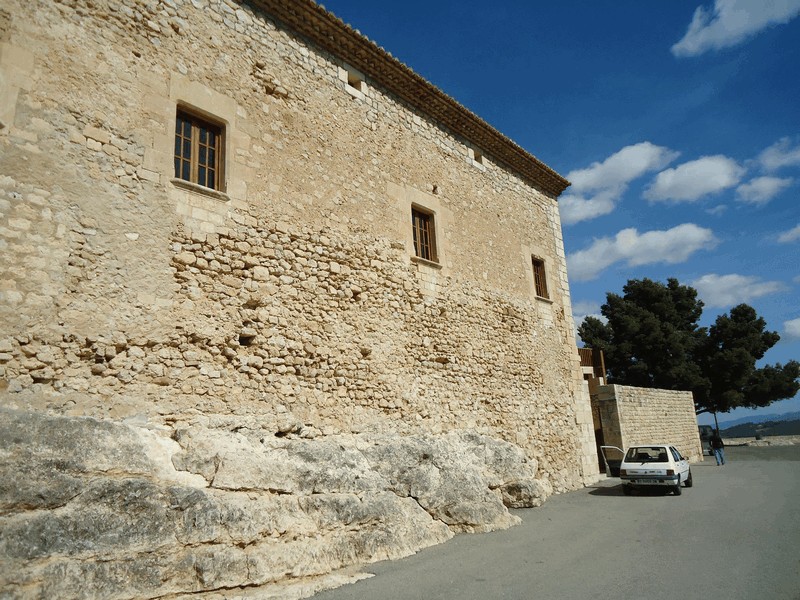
681 464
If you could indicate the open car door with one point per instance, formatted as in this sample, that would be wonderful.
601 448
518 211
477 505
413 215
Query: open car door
612 457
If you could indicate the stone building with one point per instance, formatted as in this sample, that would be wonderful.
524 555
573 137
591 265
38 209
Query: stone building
248 208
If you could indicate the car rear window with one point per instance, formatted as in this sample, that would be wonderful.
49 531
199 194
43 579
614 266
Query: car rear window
646 454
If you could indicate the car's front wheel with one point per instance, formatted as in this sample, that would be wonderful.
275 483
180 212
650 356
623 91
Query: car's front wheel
689 479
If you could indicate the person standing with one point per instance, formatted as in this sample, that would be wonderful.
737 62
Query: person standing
717 445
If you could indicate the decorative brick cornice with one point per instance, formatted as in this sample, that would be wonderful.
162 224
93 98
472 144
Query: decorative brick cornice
330 33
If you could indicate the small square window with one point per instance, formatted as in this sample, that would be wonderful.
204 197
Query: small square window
539 278
199 149
354 81
424 234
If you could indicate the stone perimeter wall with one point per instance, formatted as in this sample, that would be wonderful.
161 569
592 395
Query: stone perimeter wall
295 291
634 415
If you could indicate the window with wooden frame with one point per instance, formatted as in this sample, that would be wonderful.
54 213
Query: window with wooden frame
539 278
199 151
424 234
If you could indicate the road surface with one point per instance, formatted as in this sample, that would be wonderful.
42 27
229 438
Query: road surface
734 535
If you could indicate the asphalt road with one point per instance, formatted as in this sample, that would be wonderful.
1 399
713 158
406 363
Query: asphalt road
734 535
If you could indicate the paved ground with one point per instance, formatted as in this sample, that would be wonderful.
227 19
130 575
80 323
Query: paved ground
734 535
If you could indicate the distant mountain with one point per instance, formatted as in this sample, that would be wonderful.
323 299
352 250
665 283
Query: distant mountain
790 416
765 429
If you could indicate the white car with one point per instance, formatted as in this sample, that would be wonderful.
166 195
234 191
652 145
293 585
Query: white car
654 465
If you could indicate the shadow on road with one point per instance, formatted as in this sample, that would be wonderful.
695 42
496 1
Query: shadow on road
605 490
616 490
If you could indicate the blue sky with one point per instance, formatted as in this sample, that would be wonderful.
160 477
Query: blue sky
678 124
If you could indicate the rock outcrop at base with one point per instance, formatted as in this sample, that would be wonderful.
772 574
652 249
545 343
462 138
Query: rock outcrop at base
99 509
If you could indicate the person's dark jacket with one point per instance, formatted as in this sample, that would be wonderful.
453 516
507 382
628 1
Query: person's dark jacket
716 441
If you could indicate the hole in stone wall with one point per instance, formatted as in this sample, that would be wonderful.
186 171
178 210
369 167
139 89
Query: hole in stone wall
246 340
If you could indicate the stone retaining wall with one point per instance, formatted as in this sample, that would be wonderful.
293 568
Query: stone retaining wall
632 415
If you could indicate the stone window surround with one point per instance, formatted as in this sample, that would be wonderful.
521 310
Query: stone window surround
405 199
201 209
354 81
532 252
205 102
475 158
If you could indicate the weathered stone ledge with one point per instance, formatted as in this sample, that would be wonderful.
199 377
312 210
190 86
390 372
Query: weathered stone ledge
92 508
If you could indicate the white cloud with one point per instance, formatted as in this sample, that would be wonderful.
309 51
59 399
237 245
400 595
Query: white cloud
695 179
622 167
730 22
790 236
791 329
762 189
672 246
596 189
728 290
581 310
780 154
574 208
717 210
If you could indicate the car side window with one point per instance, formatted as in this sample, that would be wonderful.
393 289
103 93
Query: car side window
675 454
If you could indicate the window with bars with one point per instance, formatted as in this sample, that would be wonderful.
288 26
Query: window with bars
424 234
199 151
539 278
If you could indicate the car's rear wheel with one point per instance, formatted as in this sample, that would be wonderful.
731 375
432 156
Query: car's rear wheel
677 489
626 489
689 479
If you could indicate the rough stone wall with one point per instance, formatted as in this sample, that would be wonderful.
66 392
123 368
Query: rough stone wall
633 415
296 289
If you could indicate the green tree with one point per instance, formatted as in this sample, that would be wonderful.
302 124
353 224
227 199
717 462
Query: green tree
652 339
735 342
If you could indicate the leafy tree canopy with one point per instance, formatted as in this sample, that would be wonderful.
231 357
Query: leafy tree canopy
652 339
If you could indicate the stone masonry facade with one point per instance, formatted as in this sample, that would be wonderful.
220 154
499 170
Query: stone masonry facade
632 415
293 293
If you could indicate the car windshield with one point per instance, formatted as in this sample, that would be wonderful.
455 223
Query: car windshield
646 454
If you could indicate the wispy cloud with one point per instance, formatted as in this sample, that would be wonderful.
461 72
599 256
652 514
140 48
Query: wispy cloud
671 246
717 210
790 236
730 22
762 189
791 329
728 290
597 188
693 180
581 310
780 154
